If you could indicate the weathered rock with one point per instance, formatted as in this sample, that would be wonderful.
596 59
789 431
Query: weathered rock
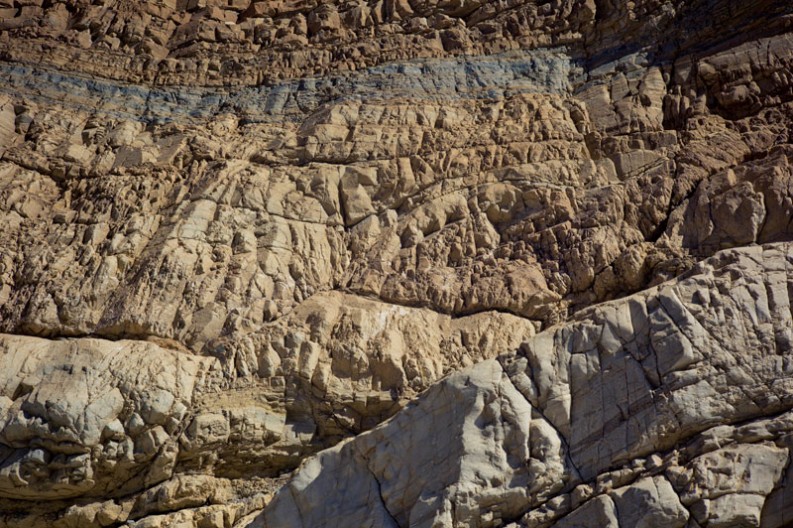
236 233
586 403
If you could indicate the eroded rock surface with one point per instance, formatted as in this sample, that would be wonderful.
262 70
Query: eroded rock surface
663 409
239 234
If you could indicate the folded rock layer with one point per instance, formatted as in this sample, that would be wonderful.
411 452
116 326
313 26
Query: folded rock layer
395 263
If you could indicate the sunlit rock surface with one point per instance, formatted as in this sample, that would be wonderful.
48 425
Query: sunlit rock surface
404 263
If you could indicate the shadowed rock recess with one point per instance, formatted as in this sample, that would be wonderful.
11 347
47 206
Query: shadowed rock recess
396 263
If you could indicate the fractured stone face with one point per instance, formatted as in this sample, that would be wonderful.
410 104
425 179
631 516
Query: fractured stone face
427 263
605 408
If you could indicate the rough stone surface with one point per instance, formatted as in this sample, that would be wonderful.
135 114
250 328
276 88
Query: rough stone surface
396 263
596 408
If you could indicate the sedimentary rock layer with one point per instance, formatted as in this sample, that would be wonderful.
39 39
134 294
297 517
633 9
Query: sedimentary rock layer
666 406
238 236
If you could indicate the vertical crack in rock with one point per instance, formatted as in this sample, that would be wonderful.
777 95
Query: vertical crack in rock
379 486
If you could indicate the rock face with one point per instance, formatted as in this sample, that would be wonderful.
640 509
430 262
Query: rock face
668 407
396 263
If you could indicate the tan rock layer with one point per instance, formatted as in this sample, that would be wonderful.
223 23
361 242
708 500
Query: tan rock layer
248 42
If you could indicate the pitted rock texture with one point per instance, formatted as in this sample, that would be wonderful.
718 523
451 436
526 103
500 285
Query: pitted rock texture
373 240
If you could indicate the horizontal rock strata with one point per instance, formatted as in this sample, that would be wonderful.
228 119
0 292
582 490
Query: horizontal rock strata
479 262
